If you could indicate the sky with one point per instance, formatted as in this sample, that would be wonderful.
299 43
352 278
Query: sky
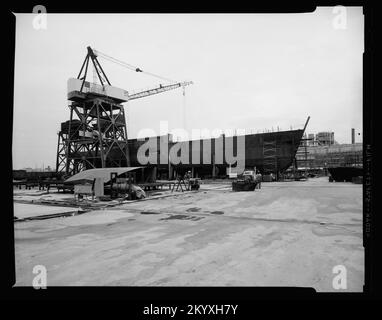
252 72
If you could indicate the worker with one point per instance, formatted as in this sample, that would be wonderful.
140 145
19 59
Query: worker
258 179
187 177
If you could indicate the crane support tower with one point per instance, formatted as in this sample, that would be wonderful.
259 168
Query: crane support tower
95 136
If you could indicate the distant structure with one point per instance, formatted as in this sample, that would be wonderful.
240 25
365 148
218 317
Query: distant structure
352 136
311 139
319 157
42 169
321 151
325 138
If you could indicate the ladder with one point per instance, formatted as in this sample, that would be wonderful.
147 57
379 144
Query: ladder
270 156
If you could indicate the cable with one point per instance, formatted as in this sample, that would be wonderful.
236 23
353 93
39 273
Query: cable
129 66
124 64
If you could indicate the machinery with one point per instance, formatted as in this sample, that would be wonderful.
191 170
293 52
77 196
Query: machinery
247 181
95 136
194 183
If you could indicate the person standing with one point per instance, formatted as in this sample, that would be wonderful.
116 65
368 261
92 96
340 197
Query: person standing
258 179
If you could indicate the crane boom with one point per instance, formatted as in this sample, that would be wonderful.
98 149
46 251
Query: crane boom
158 90
92 56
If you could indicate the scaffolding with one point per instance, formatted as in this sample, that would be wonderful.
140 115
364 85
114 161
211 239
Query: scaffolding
270 156
94 137
302 155
321 157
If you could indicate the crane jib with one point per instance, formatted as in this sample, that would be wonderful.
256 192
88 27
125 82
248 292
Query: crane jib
158 90
92 56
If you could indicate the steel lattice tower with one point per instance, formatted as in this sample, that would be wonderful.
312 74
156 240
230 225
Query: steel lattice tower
95 136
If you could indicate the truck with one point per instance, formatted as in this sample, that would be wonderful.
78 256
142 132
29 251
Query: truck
247 181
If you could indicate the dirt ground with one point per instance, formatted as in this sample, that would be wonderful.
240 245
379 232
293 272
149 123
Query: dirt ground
285 234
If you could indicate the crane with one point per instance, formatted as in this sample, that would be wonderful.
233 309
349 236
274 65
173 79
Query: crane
159 89
95 136
93 54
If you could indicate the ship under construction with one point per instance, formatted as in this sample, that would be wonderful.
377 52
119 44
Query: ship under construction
95 136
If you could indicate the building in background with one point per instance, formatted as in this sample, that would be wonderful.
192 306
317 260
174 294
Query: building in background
321 157
319 152
325 138
311 139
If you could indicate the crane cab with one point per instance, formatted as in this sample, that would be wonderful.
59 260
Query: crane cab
76 94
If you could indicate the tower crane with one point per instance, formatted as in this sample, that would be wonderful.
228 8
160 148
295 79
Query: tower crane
95 136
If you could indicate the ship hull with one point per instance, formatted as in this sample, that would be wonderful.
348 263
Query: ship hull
271 152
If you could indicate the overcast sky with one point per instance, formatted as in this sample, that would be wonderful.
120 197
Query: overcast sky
250 72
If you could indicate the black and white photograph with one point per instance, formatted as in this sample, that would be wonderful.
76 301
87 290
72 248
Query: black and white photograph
189 149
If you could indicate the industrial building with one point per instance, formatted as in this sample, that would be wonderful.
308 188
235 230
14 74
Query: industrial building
325 138
323 152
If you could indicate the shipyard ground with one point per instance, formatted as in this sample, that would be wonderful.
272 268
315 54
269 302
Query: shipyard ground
286 234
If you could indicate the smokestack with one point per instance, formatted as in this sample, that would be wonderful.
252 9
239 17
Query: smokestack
352 136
